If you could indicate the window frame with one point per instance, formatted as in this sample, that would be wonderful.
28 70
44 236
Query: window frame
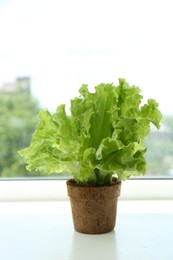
55 189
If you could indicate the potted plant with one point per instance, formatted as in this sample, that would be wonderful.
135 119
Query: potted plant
100 143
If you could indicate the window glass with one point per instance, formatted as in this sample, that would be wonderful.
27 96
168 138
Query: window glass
49 48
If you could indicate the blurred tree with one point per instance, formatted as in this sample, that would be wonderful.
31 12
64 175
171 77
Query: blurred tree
160 149
18 118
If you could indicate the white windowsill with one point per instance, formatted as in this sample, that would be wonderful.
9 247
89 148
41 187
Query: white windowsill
44 230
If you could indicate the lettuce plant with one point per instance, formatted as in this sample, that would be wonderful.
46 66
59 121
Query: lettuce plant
102 136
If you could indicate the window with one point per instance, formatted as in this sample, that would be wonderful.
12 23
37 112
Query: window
49 48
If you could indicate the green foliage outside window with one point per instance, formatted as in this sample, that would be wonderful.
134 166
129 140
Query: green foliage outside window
18 118
160 150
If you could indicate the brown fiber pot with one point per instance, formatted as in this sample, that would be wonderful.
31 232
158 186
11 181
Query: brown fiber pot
94 208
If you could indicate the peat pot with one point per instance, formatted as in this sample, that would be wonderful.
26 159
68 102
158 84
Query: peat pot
94 208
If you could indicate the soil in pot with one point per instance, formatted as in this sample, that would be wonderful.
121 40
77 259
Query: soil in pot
94 208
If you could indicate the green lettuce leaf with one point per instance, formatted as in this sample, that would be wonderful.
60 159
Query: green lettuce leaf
102 136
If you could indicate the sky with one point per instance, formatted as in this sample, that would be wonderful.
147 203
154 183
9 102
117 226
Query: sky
62 44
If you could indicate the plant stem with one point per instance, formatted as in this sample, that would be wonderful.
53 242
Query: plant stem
103 177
